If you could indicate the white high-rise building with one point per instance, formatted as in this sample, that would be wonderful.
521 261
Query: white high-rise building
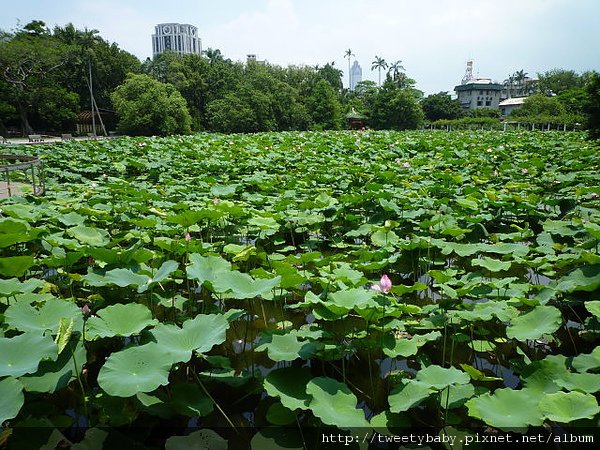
177 37
355 75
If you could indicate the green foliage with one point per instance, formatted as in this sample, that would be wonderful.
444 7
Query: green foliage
324 107
146 106
396 109
592 107
441 106
493 113
538 105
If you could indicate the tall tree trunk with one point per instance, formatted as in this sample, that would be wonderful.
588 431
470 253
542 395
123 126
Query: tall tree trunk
26 128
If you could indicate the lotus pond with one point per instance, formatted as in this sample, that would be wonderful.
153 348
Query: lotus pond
246 290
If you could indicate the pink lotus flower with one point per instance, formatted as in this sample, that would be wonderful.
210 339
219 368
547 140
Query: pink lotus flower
406 164
85 310
216 201
384 286
188 237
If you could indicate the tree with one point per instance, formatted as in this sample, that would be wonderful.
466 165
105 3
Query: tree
556 81
29 60
146 106
540 105
592 107
379 63
396 71
324 107
349 55
396 108
332 75
441 106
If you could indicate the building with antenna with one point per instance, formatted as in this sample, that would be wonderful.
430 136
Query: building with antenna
176 37
475 93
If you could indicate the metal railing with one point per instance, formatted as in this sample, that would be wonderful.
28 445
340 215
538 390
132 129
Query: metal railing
19 173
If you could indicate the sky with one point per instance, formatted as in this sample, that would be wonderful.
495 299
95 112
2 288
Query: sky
433 38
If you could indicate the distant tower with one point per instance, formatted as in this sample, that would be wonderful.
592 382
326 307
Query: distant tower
177 37
355 75
468 73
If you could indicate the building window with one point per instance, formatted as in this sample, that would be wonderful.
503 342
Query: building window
488 103
479 103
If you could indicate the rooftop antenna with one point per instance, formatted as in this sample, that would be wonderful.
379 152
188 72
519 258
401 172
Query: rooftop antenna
468 73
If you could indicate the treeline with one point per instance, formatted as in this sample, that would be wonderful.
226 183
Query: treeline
45 78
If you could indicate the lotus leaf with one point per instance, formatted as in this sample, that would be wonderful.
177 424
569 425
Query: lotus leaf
15 266
493 265
586 278
22 354
287 348
438 377
199 334
200 440
289 384
119 320
119 277
189 400
354 298
585 362
567 407
533 325
409 347
241 285
207 268
92 236
54 375
593 307
334 403
410 394
507 408
25 317
133 370
11 399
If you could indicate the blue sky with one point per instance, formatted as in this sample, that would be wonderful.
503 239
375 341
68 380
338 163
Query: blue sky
432 38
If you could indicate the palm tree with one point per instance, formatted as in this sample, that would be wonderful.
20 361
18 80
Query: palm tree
349 55
508 84
395 69
519 77
379 64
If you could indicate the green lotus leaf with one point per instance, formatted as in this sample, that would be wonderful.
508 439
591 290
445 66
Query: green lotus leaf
22 354
11 398
199 334
583 382
165 270
354 298
54 375
13 231
456 395
119 320
384 238
383 422
566 407
542 375
277 414
207 268
586 362
198 440
92 236
438 377
287 348
16 266
133 370
593 307
278 437
25 317
186 218
71 218
289 384
334 403
13 286
410 394
586 278
119 277
241 285
507 408
24 211
189 400
539 321
493 265
487 310
409 347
